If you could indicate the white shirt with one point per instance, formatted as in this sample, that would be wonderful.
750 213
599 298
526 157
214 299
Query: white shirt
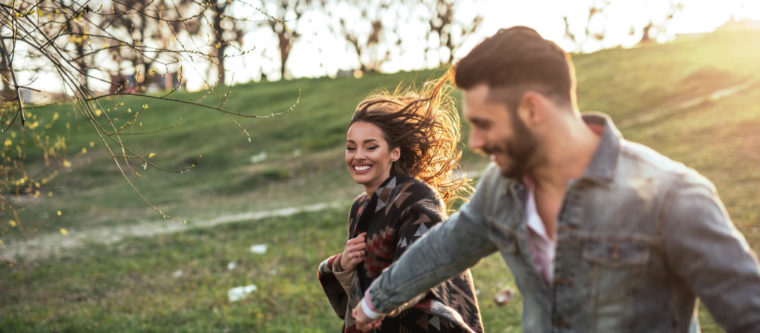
542 248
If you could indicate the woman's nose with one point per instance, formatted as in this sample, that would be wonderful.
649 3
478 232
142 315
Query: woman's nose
359 154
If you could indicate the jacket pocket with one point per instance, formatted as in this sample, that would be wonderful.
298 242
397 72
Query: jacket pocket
617 271
616 252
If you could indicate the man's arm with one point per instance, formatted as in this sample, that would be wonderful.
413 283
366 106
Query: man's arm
446 250
705 250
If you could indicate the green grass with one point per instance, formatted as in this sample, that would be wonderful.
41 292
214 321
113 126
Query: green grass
128 286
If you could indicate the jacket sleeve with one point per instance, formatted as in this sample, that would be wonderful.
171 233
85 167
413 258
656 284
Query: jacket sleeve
446 250
704 249
332 287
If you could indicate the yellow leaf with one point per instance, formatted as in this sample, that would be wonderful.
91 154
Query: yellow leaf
84 150
55 116
66 164
145 106
64 232
92 144
8 142
218 45
1 242
98 112
151 155
12 223
13 135
50 194
34 125
58 213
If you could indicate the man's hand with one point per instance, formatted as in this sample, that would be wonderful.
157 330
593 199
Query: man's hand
364 323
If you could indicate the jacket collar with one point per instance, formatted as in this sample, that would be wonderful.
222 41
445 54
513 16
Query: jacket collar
603 163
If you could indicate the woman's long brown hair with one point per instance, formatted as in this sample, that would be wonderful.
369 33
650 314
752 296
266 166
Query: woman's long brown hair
425 126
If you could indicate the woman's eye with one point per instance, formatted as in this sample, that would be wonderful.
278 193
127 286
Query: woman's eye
372 148
350 148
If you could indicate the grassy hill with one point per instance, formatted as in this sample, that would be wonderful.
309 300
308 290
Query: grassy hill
696 100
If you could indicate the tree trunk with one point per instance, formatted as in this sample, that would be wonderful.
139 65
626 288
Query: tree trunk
285 46
219 42
5 73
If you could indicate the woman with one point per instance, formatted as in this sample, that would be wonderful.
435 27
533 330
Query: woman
403 148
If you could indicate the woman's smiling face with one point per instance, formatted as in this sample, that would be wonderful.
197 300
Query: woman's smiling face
368 156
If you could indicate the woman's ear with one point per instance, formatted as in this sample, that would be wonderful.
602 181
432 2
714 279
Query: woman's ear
395 154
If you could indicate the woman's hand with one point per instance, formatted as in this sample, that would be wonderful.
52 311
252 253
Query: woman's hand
354 253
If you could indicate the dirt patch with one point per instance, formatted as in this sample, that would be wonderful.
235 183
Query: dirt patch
55 243
678 105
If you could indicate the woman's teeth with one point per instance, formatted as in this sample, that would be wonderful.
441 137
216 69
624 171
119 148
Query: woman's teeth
361 167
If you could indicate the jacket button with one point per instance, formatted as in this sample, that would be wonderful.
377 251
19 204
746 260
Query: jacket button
563 281
558 322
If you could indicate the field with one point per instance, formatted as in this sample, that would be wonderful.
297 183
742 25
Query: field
121 267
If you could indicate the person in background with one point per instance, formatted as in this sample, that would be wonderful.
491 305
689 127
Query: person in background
600 233
402 147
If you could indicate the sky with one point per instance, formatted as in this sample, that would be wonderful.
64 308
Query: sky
319 52
545 16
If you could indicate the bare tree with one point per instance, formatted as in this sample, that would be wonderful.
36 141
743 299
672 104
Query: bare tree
445 31
139 25
226 29
41 34
595 12
658 25
595 25
7 92
284 23
365 27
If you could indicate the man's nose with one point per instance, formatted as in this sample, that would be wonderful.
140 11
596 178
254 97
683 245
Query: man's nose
475 141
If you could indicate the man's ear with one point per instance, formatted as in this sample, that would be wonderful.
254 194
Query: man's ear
532 109
395 154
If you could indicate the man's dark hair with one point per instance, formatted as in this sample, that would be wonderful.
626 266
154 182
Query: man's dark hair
519 58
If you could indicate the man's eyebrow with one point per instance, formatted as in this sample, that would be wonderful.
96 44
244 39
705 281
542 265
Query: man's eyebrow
478 120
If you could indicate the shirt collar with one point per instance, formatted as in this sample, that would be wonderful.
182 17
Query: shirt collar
531 215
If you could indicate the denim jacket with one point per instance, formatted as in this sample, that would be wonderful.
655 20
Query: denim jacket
639 238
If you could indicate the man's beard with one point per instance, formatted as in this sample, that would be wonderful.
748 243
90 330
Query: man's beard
520 150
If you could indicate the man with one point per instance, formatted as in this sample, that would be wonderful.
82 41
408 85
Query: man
601 234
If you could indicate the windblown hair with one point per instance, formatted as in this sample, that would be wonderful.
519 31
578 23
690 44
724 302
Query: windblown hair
425 126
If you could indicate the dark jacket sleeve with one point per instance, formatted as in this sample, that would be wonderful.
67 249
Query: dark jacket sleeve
335 293
332 288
